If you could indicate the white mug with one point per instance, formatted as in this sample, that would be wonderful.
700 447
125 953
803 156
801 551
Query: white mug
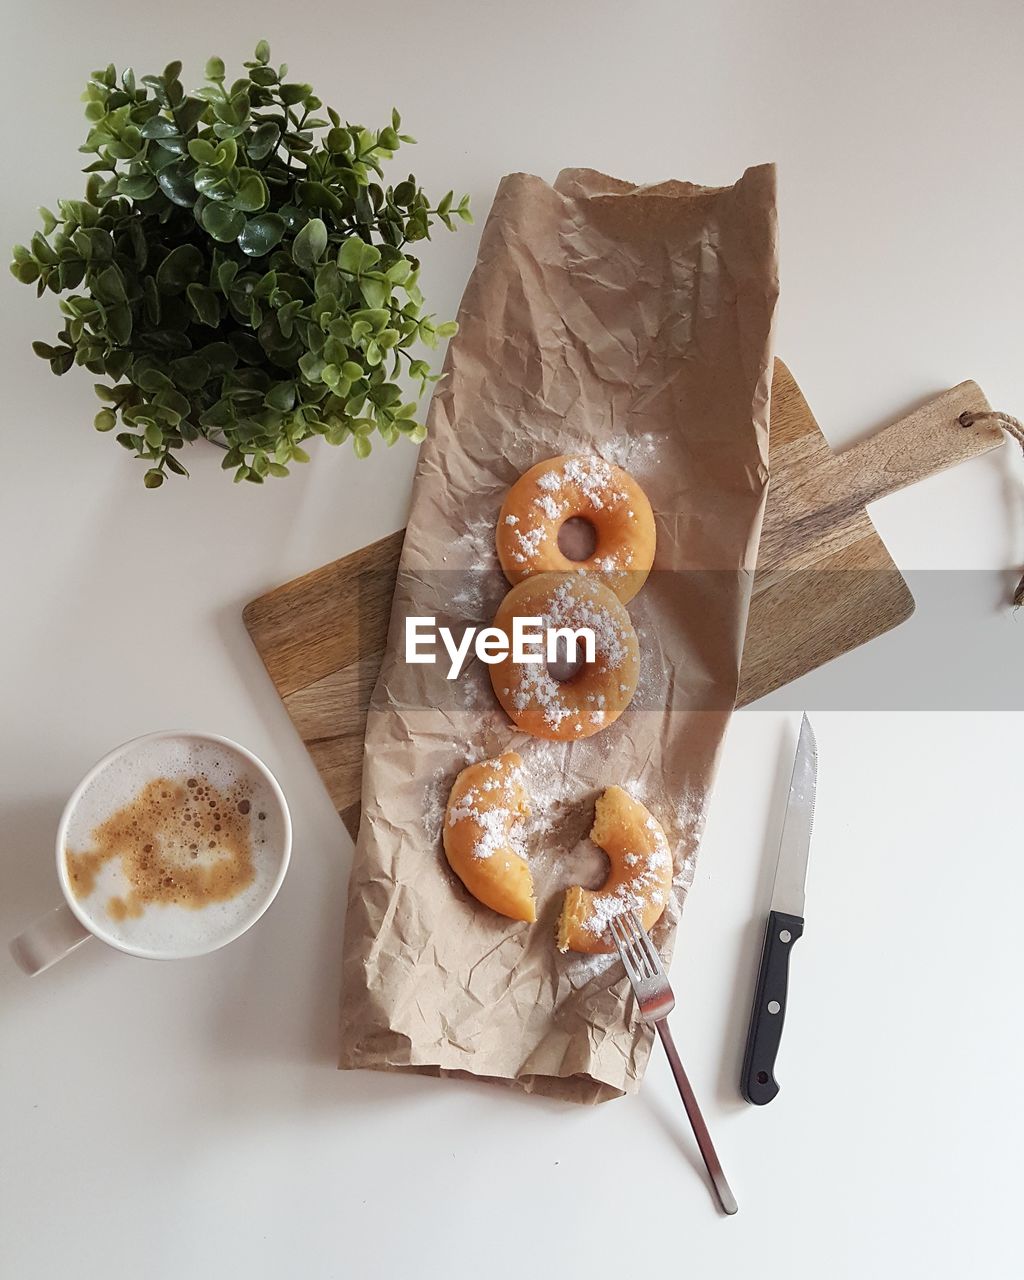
67 926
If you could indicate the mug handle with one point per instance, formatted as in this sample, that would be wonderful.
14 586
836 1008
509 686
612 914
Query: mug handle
48 939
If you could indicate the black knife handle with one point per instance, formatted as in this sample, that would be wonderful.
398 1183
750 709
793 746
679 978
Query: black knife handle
766 1017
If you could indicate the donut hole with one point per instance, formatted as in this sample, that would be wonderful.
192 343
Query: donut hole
589 864
577 538
562 668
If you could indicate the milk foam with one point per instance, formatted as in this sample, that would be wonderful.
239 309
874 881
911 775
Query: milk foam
169 929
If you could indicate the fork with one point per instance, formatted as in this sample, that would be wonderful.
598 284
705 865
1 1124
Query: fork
656 1001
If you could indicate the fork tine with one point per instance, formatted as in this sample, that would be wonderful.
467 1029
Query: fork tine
640 944
627 948
627 932
621 939
647 946
624 939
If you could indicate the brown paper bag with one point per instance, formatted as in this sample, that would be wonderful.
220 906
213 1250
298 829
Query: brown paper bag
635 323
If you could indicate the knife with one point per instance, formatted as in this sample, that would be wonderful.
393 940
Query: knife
785 925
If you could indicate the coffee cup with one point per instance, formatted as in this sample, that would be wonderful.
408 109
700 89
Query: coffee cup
173 845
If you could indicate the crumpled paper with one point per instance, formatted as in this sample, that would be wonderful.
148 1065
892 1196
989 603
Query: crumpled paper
634 322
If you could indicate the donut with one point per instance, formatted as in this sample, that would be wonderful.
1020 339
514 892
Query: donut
483 836
599 692
585 487
640 878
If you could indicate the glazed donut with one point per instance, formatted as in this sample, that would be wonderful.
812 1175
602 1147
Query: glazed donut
587 487
483 835
640 878
599 692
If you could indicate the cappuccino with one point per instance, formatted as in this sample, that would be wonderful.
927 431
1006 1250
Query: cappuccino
174 846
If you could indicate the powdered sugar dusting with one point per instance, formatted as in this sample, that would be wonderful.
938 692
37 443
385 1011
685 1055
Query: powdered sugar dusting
635 454
493 805
573 607
558 495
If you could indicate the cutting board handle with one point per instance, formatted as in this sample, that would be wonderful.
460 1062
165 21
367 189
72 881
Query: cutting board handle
922 444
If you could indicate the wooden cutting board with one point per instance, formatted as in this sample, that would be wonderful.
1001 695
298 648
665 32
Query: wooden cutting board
322 636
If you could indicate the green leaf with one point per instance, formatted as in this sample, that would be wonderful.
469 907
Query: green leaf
362 446
339 141
118 363
309 245
139 187
109 285
205 304
315 195
263 52
159 127
190 372
286 316
356 256
223 223
400 271
226 155
375 292
153 478
42 251
202 151
177 185
105 420
251 195
26 272
181 266
215 69
281 397
447 330
214 184
294 93
220 356
263 140
226 273
174 465
312 366
261 234
189 113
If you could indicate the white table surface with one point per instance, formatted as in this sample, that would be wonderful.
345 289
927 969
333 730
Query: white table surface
186 1120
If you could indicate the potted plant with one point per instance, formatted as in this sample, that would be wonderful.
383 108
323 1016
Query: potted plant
238 271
